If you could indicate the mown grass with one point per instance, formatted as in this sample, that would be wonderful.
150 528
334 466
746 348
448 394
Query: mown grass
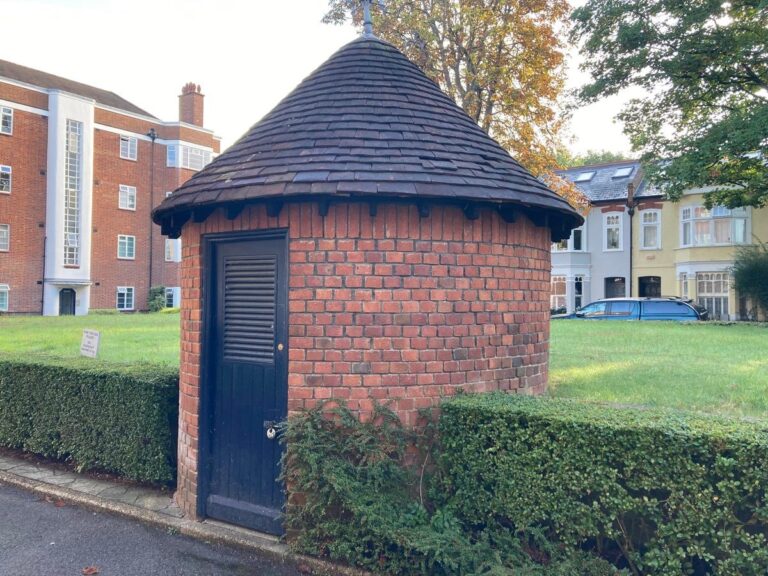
702 367
126 339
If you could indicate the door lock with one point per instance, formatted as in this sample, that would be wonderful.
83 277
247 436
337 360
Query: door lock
271 429
280 347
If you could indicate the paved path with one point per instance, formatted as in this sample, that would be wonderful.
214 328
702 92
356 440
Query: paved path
42 536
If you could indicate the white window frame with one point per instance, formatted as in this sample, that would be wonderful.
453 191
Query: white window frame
578 299
7 170
5 296
128 293
129 242
644 225
5 237
689 220
684 286
127 198
173 250
172 156
623 172
6 113
568 245
172 291
558 300
619 226
129 147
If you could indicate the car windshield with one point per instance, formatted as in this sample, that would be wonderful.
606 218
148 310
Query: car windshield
594 309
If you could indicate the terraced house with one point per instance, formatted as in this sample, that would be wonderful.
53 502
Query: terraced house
641 244
80 170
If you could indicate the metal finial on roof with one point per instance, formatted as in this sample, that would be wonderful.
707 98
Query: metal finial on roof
367 22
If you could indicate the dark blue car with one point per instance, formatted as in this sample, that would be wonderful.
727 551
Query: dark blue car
638 309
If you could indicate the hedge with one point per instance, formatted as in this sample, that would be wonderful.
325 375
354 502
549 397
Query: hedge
359 494
114 419
655 492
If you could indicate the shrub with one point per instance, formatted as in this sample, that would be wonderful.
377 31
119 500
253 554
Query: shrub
116 420
355 498
656 492
156 300
750 273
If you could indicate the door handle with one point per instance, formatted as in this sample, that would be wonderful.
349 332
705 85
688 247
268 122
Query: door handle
270 428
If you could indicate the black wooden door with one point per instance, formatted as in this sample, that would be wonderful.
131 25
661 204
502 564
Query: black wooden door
67 298
247 381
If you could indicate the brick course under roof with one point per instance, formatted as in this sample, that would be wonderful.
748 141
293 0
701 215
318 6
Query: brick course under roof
51 82
368 122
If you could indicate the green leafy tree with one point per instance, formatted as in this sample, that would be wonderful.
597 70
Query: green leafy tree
565 159
704 67
750 274
502 61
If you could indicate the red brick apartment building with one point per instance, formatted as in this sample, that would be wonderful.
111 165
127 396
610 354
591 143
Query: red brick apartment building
80 171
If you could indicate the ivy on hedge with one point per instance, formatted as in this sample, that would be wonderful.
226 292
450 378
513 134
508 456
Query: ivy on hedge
120 420
656 492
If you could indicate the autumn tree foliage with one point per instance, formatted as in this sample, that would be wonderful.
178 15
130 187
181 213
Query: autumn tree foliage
502 61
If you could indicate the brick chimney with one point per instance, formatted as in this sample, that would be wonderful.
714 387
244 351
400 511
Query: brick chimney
191 104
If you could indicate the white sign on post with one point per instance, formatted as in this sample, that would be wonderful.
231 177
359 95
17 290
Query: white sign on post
89 346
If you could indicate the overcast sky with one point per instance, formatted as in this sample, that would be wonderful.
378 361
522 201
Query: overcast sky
246 55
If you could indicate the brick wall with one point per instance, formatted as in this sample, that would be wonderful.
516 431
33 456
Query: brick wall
393 307
25 151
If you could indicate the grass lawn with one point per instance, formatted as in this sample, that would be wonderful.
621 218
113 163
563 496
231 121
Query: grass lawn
703 367
125 338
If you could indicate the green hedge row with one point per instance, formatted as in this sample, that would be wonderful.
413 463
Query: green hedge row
117 420
654 492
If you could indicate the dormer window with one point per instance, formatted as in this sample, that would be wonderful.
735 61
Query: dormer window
585 176
623 172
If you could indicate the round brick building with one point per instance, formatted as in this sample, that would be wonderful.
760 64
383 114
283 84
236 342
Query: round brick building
365 241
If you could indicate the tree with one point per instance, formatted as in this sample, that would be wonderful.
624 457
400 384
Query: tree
500 60
704 67
750 274
566 159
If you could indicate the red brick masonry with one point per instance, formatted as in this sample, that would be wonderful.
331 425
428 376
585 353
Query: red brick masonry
392 307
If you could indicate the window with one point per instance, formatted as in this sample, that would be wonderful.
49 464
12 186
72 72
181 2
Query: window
194 158
557 297
585 176
128 146
623 172
6 120
126 247
578 289
650 229
668 308
125 297
684 285
73 152
594 310
5 237
624 308
712 293
5 179
4 297
171 300
612 232
719 226
127 200
574 244
171 160
173 250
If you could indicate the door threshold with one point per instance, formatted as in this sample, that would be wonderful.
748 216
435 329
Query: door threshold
246 532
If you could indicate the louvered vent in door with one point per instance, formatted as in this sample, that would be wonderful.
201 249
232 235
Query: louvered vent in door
249 308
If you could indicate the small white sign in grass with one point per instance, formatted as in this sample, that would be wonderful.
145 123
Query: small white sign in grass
89 346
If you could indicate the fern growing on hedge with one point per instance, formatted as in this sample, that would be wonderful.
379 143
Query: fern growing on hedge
355 497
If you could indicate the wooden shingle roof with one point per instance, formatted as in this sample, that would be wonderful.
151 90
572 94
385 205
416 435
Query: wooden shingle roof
368 122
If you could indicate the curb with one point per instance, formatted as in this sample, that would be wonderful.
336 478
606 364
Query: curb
217 533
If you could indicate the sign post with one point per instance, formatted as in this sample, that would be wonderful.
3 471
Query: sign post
89 346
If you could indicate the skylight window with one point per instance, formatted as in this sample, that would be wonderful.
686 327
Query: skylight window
623 172
585 176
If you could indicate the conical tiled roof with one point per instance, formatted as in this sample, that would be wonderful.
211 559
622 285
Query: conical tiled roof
368 122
